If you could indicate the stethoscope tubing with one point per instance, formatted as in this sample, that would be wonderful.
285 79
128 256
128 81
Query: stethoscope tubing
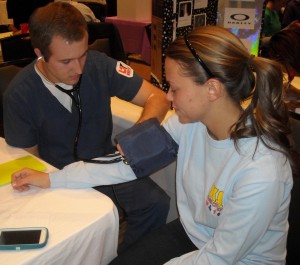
115 158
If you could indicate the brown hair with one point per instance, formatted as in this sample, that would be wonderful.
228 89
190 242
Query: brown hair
285 46
230 63
54 19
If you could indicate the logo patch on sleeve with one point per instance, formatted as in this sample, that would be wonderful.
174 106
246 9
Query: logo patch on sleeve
124 69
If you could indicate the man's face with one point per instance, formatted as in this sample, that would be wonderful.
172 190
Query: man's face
67 60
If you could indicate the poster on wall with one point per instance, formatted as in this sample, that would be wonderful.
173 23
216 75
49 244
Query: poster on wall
200 4
240 18
244 19
185 14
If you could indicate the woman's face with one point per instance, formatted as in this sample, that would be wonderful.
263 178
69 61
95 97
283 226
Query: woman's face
188 99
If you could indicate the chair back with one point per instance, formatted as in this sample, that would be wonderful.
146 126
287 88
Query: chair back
295 128
293 240
98 9
17 47
111 8
148 30
7 73
105 37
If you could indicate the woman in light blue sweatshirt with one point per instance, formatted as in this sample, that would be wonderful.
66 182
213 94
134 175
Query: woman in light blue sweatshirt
234 173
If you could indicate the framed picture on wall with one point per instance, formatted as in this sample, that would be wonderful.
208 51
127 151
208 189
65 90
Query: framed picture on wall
185 14
199 20
200 4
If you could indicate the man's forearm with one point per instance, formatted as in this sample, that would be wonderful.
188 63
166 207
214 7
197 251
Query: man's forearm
153 100
156 106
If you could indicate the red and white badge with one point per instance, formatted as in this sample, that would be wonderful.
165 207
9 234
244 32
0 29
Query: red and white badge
124 69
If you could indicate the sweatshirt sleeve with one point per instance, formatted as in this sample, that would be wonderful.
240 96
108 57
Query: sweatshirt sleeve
86 175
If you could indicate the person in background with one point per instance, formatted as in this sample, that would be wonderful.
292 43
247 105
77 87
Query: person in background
291 13
283 5
272 23
59 108
84 10
285 49
233 176
20 11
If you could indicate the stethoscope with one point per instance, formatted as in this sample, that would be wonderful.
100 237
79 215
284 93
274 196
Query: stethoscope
74 94
116 157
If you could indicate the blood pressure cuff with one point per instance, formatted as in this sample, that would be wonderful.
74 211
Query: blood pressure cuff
147 147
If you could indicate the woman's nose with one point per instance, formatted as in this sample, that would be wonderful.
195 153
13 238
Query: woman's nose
169 95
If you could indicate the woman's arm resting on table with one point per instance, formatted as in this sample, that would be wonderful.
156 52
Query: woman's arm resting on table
74 176
21 180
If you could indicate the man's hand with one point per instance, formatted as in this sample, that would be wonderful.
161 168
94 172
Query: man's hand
21 180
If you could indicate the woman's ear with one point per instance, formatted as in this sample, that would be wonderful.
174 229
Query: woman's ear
215 89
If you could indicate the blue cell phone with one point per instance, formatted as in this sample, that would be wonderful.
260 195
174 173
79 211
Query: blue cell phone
23 238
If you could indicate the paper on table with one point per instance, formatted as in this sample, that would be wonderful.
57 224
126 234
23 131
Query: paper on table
6 169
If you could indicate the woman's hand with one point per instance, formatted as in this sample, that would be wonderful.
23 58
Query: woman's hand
21 180
120 150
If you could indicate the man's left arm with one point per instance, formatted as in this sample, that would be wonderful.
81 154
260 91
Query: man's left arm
153 100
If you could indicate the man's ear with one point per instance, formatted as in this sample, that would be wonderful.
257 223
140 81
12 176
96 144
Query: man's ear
215 89
38 52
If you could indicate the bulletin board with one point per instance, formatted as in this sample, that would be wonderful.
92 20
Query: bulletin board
173 18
